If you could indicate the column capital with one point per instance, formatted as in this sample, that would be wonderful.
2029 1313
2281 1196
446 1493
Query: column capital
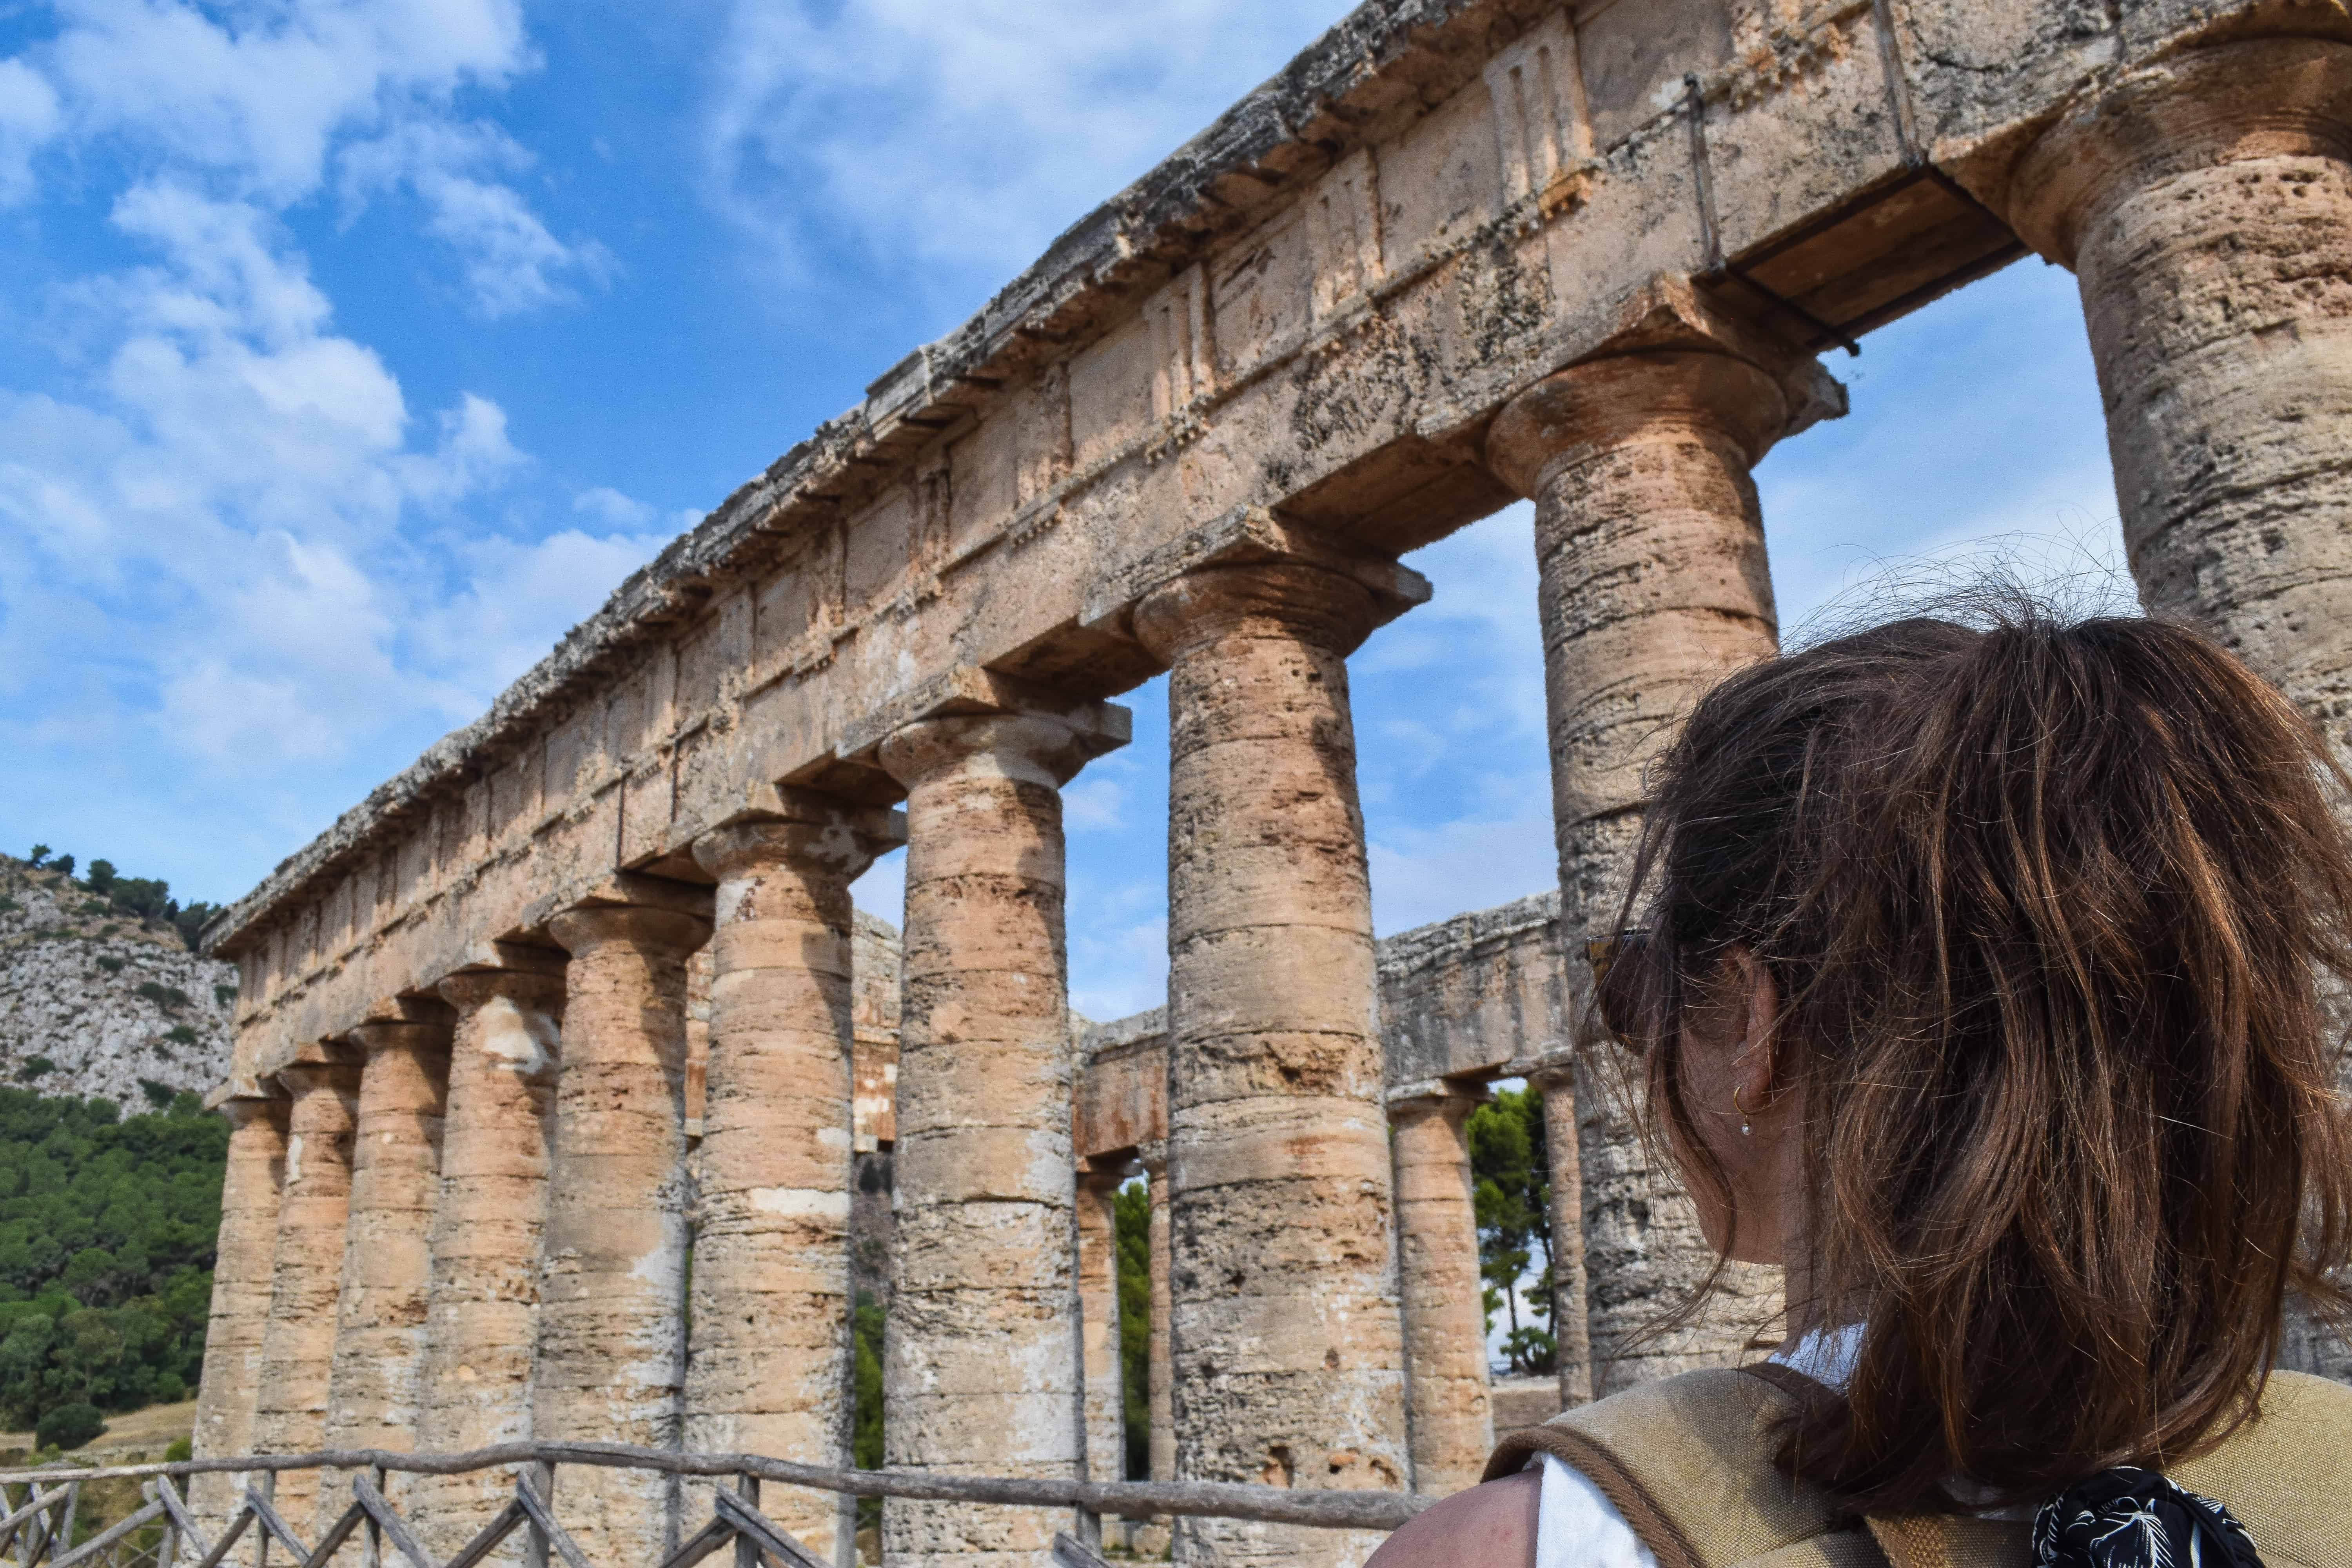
1605 402
1251 562
809 831
535 987
421 1034
1041 748
1547 1069
1154 1157
668 932
2254 98
1436 1097
243 1109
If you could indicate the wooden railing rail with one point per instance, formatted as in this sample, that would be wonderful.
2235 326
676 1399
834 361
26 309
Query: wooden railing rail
1135 1499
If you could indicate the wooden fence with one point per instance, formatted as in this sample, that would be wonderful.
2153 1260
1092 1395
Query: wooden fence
37 1530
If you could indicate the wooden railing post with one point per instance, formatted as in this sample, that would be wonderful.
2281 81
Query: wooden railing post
535 1544
372 1543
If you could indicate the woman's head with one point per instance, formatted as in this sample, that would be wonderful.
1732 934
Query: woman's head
2022 938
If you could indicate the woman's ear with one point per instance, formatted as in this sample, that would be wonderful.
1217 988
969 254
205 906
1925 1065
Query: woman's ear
1754 1001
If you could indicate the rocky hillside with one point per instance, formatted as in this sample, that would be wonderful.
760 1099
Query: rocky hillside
96 1001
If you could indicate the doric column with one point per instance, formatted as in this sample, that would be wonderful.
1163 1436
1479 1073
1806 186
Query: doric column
769 1367
482 1311
298 1349
1572 1332
612 1315
2205 205
981 1354
1651 583
242 1272
1098 1243
372 1399
1287 1351
1452 1417
1160 1369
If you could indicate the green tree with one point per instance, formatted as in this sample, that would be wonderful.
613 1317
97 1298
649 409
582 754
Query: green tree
106 1228
69 1426
40 853
1510 1166
1131 1228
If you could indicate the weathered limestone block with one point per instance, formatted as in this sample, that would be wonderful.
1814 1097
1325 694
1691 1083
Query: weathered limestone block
767 1369
373 1400
1570 1304
981 1359
1098 1243
482 1311
1451 1416
2205 205
612 1320
242 1275
1653 582
1287 1351
298 1349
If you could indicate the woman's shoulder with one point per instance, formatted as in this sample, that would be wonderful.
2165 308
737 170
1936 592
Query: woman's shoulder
1493 1524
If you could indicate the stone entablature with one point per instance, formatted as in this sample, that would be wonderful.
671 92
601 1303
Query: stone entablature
1314 309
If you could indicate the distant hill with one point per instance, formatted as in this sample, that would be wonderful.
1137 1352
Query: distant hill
100 994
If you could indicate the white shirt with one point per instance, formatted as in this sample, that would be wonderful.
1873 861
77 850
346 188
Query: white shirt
1578 1527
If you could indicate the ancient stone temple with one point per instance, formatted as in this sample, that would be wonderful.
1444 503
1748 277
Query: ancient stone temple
502 1165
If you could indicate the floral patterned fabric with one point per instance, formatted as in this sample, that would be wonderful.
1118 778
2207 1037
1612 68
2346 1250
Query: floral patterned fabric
2131 1517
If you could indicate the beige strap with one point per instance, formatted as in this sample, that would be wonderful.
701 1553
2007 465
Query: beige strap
1689 1462
1839 1549
1943 1541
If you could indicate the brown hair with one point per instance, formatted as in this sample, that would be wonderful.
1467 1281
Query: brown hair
2053 909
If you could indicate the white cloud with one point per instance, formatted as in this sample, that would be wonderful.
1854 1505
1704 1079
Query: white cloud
965 137
28 118
511 262
257 96
615 508
222 525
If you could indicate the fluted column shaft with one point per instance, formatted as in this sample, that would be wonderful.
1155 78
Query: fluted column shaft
612 1317
981 1354
1159 1370
1570 1325
769 1367
2205 205
1287 1354
482 1308
1453 1420
242 1278
374 1396
1098 1243
1651 583
298 1349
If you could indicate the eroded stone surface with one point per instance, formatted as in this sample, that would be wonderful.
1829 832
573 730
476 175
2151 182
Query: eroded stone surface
769 1363
1453 1421
981 1363
482 1310
611 1360
243 1271
375 1394
298 1348
1287 1354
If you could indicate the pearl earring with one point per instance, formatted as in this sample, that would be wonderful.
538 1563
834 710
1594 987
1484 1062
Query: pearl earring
1745 1130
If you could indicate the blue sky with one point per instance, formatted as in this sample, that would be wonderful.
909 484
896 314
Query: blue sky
350 350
